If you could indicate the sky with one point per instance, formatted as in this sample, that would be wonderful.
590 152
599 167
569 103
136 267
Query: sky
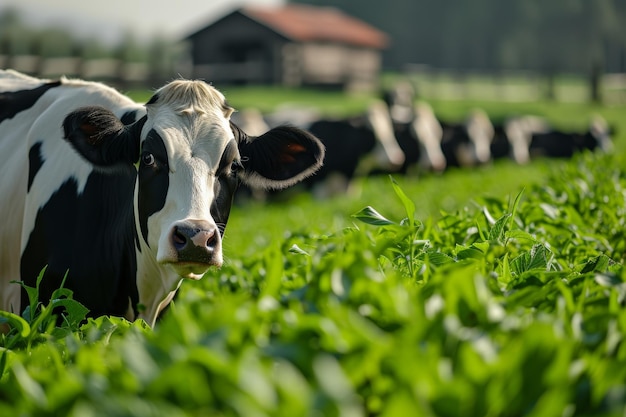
109 20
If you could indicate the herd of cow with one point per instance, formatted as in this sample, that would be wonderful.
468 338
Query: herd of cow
121 201
399 134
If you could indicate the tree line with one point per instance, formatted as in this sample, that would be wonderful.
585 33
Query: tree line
550 37
491 35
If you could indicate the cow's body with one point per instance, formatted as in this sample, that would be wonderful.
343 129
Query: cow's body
135 198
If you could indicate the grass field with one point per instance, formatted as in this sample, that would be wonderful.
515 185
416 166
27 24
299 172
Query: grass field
497 291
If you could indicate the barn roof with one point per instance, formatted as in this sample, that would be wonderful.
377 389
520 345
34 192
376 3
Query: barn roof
309 23
305 23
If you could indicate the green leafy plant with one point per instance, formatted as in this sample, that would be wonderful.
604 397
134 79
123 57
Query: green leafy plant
60 316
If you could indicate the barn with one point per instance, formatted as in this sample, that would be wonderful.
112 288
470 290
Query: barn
292 45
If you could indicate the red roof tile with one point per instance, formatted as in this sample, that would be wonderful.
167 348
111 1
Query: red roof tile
309 23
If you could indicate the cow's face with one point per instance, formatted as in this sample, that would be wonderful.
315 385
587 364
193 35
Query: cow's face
189 160
187 176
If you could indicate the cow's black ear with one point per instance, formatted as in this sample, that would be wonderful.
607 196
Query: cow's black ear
280 157
101 138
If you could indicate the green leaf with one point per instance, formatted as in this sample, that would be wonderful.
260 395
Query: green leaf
498 229
17 322
370 216
598 263
76 312
408 204
520 235
505 276
536 259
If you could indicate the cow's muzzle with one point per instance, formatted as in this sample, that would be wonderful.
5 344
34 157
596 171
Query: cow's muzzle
197 244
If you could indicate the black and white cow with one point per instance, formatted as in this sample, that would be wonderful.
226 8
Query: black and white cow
468 143
517 133
127 199
416 128
564 144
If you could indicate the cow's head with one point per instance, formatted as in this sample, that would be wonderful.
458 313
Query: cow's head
189 159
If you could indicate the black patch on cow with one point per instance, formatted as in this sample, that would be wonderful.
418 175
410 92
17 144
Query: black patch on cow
91 237
556 144
35 161
226 183
153 179
500 145
454 136
346 142
13 102
153 99
129 117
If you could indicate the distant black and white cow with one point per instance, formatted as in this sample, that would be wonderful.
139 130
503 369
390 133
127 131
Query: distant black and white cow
468 143
127 199
564 144
517 132
416 128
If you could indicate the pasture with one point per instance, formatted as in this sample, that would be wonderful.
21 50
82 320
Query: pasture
495 291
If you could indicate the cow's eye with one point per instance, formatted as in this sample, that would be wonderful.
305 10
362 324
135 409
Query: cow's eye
236 166
147 158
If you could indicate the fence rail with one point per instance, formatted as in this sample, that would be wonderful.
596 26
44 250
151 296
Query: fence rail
115 71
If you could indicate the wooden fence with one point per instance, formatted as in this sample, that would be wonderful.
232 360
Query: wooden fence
114 71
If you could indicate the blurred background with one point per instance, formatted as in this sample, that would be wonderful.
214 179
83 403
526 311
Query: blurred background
568 50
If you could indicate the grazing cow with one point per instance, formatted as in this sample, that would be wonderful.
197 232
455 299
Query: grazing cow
416 128
468 143
518 132
559 144
354 146
128 200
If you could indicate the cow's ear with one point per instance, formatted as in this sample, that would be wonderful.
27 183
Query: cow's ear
280 157
101 138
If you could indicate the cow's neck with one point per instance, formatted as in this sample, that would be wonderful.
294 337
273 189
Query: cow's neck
156 284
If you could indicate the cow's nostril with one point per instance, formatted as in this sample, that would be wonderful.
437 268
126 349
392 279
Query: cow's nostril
211 240
179 239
